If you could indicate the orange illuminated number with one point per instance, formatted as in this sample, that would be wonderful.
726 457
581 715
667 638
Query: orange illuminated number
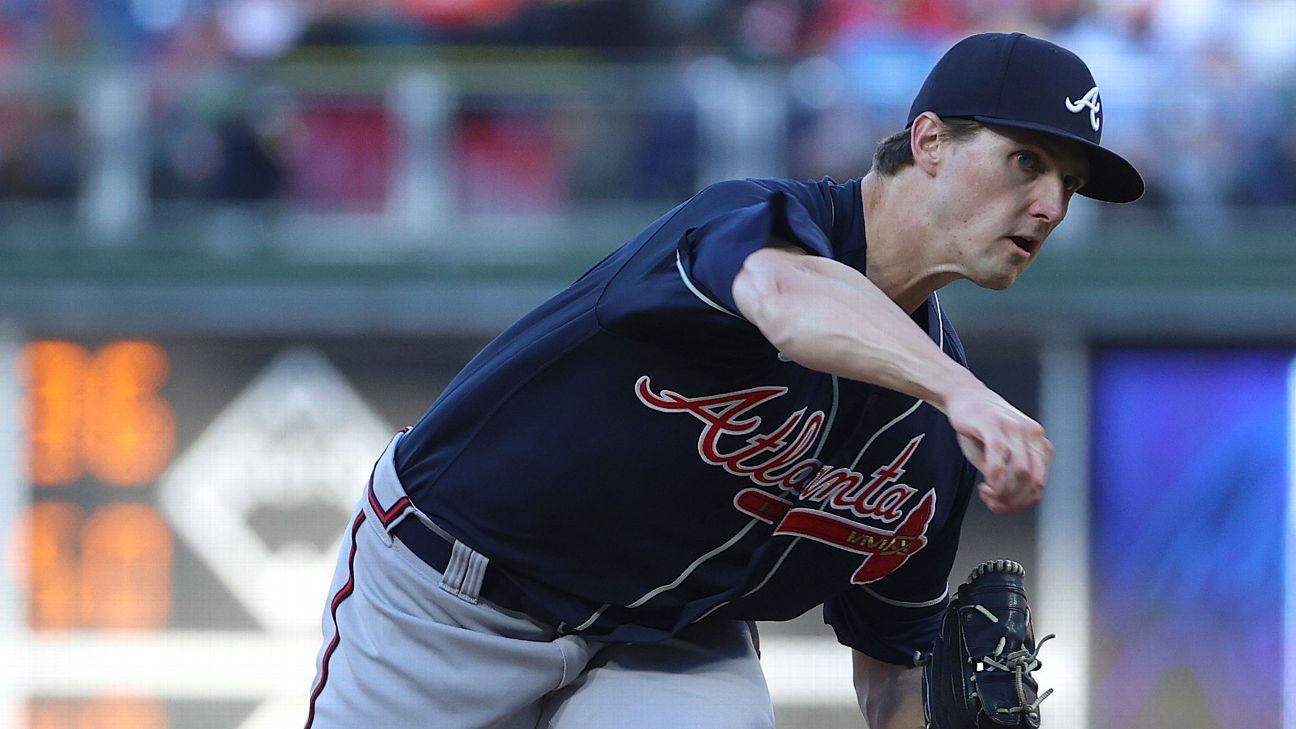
129 429
126 554
99 713
50 534
112 570
55 398
101 413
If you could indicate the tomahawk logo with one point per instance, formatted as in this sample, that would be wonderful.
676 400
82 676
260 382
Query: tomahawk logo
1089 101
777 460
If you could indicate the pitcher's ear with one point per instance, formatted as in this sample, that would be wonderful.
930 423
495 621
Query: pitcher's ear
927 141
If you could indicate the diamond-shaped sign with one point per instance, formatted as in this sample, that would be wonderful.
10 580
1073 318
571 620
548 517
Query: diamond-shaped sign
299 438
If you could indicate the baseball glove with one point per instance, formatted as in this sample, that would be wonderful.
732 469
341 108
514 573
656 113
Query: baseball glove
979 673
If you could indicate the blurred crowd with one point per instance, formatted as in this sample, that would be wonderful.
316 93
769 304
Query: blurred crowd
1201 93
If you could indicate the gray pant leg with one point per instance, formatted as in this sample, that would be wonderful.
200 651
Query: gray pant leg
709 677
400 652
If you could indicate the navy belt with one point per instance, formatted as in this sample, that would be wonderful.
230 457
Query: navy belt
433 549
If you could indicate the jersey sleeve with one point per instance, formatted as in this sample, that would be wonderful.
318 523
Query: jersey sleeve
711 254
899 615
671 287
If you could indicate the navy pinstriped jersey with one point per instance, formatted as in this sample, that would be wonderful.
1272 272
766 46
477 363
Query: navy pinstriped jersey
636 456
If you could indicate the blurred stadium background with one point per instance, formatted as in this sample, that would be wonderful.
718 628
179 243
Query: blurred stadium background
242 241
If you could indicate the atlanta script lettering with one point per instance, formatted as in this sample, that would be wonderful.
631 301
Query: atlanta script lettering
778 460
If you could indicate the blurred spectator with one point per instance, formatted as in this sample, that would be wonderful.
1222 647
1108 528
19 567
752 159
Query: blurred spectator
232 159
261 29
249 167
216 135
1205 91
38 146
1197 134
1117 39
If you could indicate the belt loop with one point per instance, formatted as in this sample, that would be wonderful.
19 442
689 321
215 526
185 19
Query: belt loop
464 573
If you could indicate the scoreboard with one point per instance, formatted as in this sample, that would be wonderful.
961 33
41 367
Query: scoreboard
180 505
95 416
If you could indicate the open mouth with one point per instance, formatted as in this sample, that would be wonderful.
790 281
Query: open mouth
1027 245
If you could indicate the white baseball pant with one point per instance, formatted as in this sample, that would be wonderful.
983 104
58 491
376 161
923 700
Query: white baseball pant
403 649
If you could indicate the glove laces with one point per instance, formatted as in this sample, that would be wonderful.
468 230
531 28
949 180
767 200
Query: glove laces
1020 663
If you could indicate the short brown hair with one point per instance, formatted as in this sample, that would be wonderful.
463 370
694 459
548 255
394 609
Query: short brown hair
894 153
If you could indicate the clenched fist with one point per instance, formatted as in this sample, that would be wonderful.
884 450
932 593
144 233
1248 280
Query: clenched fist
1007 447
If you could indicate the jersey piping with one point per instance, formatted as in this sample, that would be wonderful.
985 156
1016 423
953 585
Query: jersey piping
679 266
905 604
678 580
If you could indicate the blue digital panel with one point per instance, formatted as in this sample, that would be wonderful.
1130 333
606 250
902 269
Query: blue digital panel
1190 476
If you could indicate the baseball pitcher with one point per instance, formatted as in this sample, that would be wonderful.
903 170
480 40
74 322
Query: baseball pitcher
755 407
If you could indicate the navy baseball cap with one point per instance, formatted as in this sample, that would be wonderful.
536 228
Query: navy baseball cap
1014 80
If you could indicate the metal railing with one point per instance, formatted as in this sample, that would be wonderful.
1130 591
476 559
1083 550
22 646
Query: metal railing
495 155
